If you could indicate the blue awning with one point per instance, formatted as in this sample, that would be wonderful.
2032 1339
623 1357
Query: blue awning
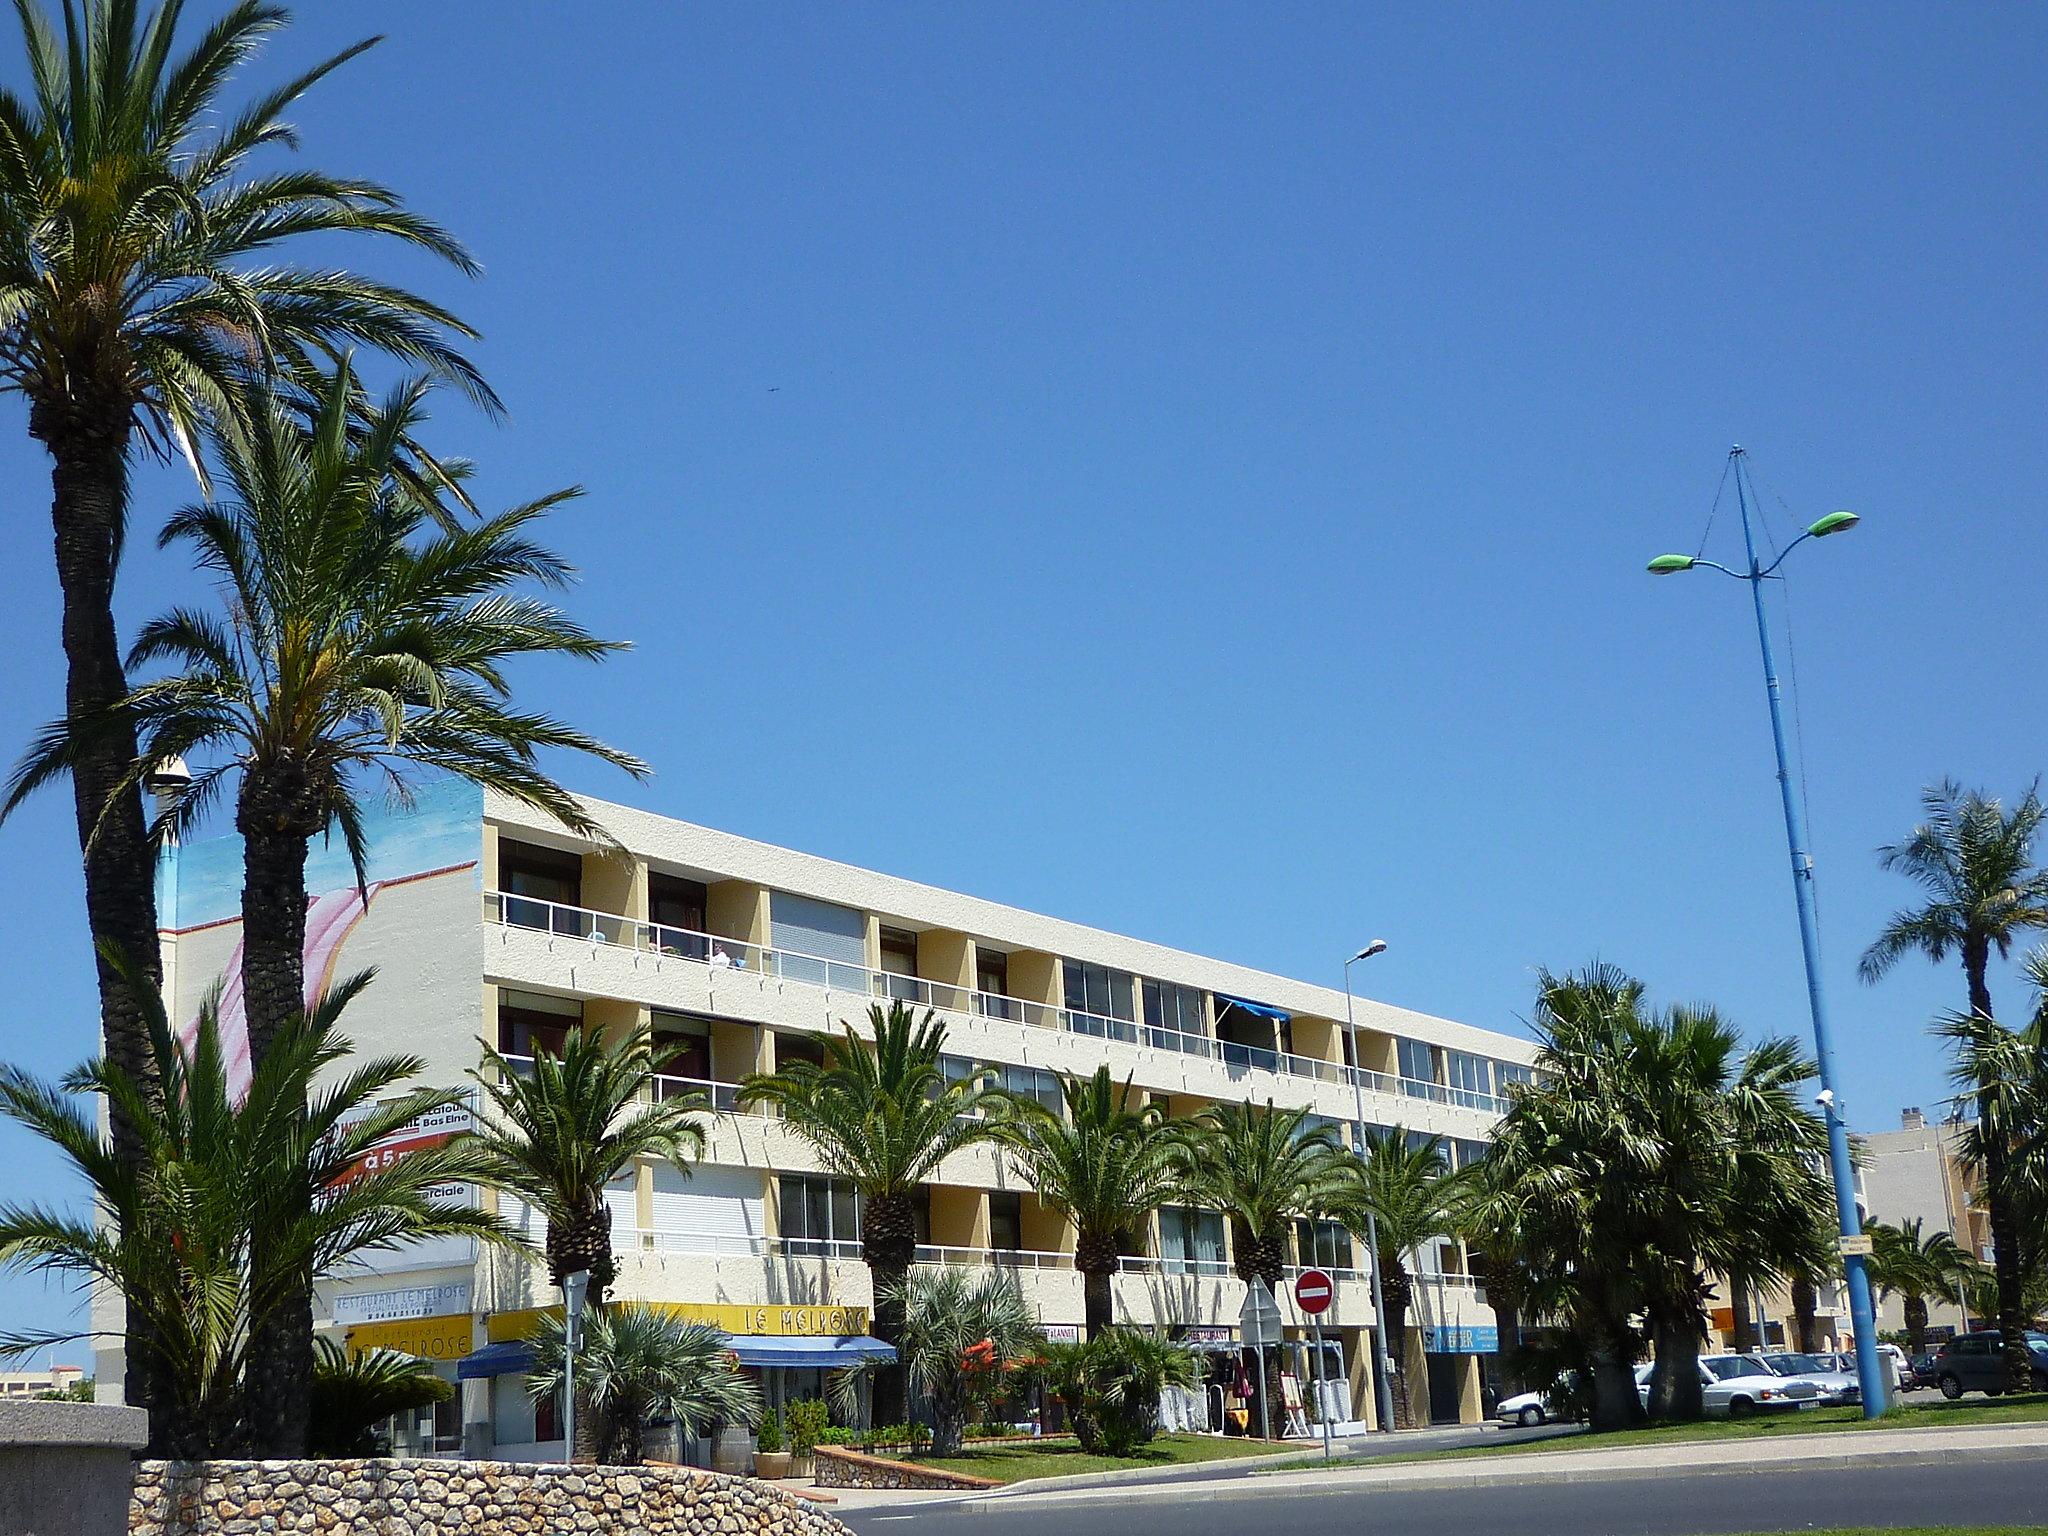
495 1360
1263 1010
792 1349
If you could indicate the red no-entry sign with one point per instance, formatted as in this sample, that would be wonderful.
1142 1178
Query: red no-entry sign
1313 1290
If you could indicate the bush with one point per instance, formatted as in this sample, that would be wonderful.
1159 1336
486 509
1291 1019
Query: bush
808 1421
771 1433
1111 1385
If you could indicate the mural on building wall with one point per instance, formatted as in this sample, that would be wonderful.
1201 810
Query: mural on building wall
438 837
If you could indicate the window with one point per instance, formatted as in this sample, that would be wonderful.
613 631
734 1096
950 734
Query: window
1104 996
1470 1077
818 942
1325 1244
686 1043
677 909
1035 1083
899 958
1418 1066
537 883
1466 1153
1510 1072
1190 1240
992 980
532 1022
789 1048
1422 1141
1173 1012
1006 1222
815 1212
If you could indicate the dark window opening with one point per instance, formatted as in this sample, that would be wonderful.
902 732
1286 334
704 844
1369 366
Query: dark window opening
676 907
537 883
1005 1222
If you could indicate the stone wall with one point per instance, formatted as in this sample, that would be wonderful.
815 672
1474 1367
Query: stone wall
64 1467
837 1467
488 1498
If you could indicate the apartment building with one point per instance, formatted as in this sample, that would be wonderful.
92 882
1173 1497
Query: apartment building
58 1379
1918 1173
486 921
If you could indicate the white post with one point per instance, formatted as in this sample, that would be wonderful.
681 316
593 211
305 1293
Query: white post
574 1288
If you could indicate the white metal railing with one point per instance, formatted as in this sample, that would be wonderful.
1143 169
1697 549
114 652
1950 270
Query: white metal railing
724 1098
720 953
998 1258
1153 1264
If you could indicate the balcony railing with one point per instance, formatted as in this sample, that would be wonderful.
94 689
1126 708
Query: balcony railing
719 953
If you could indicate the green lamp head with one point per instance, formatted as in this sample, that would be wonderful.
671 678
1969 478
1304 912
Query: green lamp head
1834 522
1666 565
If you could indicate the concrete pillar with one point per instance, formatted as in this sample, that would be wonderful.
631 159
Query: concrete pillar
1471 1403
1358 1361
1415 1367
66 1469
1035 977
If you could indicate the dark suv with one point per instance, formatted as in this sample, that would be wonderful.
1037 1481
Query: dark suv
1972 1362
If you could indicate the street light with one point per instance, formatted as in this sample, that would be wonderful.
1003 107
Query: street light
574 1288
1869 1372
1382 1386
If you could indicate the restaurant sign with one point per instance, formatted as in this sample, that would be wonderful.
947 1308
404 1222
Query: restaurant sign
430 1338
749 1322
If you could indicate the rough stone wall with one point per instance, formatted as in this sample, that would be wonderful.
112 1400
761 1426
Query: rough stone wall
839 1468
488 1498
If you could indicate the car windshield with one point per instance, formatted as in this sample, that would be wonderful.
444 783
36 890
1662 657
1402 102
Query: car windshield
1797 1365
1728 1367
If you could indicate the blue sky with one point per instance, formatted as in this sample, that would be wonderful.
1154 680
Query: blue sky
1190 469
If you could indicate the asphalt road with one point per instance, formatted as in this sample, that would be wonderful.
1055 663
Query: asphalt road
1987 1493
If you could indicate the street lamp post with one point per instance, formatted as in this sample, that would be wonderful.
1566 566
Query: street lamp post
1382 1384
1869 1371
574 1288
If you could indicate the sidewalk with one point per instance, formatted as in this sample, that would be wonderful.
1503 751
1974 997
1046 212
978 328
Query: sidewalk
1904 1447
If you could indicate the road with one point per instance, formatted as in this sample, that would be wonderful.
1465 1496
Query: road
1987 1493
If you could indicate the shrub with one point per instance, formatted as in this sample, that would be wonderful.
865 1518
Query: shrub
808 1421
770 1439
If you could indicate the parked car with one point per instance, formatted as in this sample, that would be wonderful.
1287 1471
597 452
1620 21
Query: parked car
1737 1386
1974 1362
1837 1386
1921 1367
1895 1362
1525 1408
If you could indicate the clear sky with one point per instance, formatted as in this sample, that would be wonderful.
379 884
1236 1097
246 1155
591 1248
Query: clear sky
1190 469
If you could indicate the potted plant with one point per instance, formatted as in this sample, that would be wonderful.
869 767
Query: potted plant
770 1459
808 1421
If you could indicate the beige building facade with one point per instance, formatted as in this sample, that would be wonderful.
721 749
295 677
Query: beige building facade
486 921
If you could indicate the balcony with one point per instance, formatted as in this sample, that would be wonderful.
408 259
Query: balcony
717 953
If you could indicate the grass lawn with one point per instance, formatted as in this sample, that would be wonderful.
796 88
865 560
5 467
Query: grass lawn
1061 1455
1938 1413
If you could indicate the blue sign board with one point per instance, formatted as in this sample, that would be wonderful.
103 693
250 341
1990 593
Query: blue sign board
1446 1339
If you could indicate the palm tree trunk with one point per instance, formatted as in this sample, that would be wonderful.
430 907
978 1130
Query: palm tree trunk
1804 1321
1675 1390
888 1243
1916 1324
1098 1260
2005 1230
1612 1345
1399 1290
89 485
273 993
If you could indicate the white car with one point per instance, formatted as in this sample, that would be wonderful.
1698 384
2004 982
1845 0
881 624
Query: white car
1525 1408
1737 1386
1838 1387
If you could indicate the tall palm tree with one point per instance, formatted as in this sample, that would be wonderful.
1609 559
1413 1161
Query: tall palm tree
883 1114
1975 860
360 639
177 1226
2006 1071
139 290
636 1363
1407 1185
1105 1164
1262 1167
558 1131
1578 1174
1914 1267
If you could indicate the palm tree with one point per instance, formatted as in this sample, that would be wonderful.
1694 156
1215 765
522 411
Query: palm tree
1914 1268
353 1393
1406 1183
2006 1070
1489 1218
636 1363
139 290
563 1128
1262 1167
359 640
1975 860
961 1337
883 1116
1111 1385
1105 1164
177 1225
1575 1174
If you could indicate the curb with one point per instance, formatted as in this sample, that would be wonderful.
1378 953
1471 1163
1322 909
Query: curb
1524 1471
1151 1476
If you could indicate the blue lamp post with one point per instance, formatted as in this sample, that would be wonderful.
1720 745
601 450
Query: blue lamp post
1870 1371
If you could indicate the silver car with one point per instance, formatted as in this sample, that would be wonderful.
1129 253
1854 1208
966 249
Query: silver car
1837 1386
